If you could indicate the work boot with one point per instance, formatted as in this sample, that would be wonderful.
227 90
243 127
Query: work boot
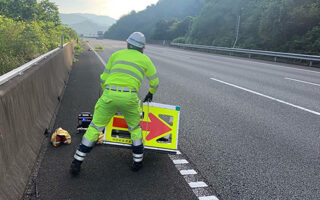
136 166
75 167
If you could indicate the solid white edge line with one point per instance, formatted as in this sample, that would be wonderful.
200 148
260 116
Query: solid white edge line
304 70
198 184
292 68
101 60
266 96
180 161
188 172
292 79
208 198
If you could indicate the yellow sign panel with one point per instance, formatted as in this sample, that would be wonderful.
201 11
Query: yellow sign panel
160 126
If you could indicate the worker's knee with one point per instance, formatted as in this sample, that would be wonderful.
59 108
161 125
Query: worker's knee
136 134
92 134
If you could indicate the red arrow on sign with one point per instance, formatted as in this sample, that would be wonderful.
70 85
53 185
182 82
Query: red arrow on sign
156 127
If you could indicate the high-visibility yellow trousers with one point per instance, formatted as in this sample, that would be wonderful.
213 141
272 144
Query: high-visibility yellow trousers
110 102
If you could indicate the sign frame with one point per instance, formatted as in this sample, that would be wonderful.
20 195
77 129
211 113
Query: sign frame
152 144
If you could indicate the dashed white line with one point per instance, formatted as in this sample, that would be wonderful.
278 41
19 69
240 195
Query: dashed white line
180 162
208 198
188 172
269 97
206 192
197 184
292 79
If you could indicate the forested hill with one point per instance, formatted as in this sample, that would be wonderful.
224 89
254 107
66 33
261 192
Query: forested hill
165 11
278 25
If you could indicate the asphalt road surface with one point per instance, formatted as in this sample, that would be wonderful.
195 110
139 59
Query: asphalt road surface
250 128
106 171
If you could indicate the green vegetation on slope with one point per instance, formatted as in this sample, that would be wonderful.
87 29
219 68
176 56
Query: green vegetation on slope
27 30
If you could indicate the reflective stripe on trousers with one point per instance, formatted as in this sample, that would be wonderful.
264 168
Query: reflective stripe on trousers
84 147
137 150
96 127
79 155
137 157
137 142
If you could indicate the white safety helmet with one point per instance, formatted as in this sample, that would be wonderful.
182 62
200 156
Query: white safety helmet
137 39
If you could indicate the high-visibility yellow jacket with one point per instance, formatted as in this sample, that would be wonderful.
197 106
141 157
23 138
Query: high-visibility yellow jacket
127 68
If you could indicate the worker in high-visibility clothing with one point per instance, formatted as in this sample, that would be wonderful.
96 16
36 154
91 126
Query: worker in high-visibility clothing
120 82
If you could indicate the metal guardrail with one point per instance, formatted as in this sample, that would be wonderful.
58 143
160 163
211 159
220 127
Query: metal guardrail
310 58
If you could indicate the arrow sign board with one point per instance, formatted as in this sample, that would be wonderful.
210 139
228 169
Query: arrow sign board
160 126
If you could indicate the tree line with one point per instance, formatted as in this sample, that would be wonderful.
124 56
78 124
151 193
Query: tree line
27 30
156 20
277 25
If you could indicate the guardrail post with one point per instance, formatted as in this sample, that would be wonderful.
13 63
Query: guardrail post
275 59
61 47
310 64
249 55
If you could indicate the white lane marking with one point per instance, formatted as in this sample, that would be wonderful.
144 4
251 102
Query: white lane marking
194 185
292 79
272 98
188 172
178 153
104 63
181 161
197 184
208 198
304 70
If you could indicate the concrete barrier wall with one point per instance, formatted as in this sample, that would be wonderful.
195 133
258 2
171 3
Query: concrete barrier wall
27 104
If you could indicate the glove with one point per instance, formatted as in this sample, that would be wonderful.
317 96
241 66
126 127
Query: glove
148 97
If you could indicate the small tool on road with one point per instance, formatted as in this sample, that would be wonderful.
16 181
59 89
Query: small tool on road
84 120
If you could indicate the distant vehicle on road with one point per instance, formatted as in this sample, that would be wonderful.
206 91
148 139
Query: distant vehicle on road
100 35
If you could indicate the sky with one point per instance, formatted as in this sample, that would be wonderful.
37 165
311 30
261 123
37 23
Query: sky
111 8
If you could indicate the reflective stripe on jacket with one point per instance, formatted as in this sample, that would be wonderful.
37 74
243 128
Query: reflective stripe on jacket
127 68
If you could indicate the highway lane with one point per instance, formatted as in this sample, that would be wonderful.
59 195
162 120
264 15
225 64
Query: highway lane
106 171
252 130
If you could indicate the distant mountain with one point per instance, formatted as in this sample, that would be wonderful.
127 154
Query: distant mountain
87 24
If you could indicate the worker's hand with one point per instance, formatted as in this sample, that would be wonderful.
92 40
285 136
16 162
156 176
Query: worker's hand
148 97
